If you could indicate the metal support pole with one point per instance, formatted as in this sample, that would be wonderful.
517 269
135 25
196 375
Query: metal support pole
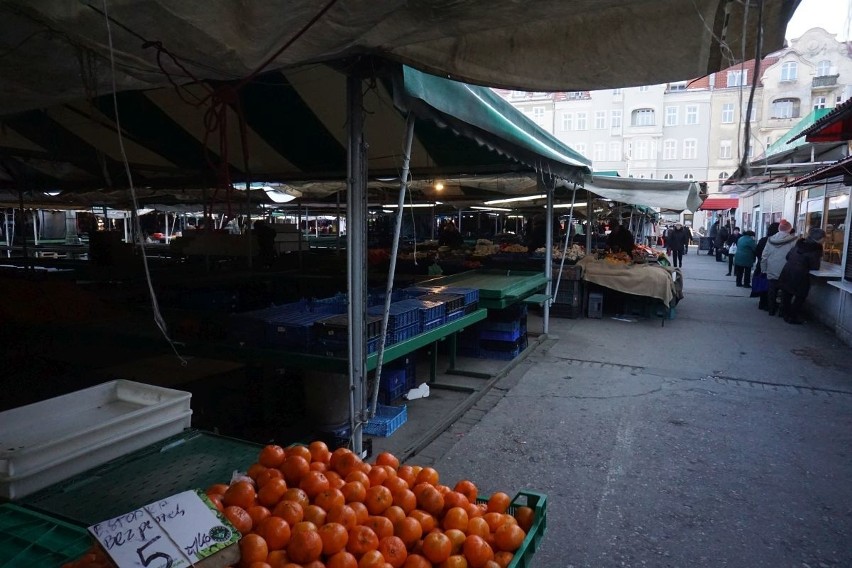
400 211
35 227
589 214
548 254
356 259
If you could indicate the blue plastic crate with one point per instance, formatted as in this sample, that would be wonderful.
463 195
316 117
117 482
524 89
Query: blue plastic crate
513 312
452 302
429 311
377 296
499 355
339 348
471 295
430 325
398 335
337 327
453 316
492 335
387 420
292 330
392 386
512 326
417 291
400 315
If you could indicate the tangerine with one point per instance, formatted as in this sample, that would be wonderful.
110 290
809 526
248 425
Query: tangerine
239 517
362 539
276 532
498 502
394 551
253 549
409 530
271 455
304 546
387 458
241 494
342 559
334 538
437 547
290 511
477 551
378 499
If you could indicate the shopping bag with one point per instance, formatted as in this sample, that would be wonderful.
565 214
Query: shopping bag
759 285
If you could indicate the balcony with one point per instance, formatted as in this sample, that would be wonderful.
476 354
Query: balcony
824 81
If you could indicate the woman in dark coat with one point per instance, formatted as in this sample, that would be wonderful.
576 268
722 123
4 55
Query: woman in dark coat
676 240
795 279
763 303
732 240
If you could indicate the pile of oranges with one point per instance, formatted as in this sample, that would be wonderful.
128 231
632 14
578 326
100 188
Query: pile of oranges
308 507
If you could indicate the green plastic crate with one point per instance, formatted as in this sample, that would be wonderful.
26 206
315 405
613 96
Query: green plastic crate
538 503
189 460
29 538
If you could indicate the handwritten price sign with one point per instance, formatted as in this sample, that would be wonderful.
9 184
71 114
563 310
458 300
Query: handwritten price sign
174 532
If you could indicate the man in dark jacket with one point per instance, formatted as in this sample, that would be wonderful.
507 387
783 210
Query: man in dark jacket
712 234
675 244
721 238
795 280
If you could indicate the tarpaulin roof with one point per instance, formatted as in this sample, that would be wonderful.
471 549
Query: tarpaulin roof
842 167
56 51
834 126
665 194
791 139
719 203
295 127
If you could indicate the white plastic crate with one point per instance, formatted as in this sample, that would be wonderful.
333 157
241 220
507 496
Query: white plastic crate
51 440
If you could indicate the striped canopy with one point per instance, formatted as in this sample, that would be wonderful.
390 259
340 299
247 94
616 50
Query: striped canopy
294 127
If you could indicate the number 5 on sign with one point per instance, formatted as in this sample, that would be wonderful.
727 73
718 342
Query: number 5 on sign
174 532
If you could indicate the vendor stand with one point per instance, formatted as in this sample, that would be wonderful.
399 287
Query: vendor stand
653 282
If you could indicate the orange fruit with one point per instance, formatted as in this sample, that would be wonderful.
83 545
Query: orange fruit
297 495
257 514
437 547
354 491
290 511
457 538
387 458
334 538
498 502
255 469
294 469
271 493
268 475
299 450
362 540
416 561
316 515
468 489
253 549
478 526
429 499
503 558
372 559
240 518
409 530
525 517
361 512
394 551
455 518
427 475
304 546
319 451
342 559
344 515
378 499
241 494
509 537
329 498
477 551
313 483
217 489
271 456
427 521
382 526
454 561
275 531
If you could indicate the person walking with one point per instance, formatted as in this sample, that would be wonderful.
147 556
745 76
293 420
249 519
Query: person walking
688 242
721 239
795 279
744 259
714 231
675 244
731 242
773 259
758 269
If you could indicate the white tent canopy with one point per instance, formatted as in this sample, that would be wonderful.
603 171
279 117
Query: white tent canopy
665 194
56 51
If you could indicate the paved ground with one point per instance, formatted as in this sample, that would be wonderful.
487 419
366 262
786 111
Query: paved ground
721 439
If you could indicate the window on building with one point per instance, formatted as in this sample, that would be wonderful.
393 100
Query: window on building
628 150
785 108
600 152
671 116
679 86
723 176
728 113
615 151
641 150
823 68
789 71
725 150
691 114
518 94
643 89
616 92
819 102
755 111
600 119
580 147
670 149
643 117
581 121
688 176
738 78
615 119
690 149
568 121
538 113
668 176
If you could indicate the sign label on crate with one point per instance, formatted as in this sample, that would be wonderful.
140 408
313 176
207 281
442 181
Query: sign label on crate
174 532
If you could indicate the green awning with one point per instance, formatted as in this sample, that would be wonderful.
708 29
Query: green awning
790 140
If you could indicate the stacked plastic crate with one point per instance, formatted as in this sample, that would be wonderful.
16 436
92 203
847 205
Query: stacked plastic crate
398 377
503 335
452 304
568 302
288 326
431 314
403 321
332 335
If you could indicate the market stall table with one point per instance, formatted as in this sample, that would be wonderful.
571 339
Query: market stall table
498 289
647 280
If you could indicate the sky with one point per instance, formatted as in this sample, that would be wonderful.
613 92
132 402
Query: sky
830 15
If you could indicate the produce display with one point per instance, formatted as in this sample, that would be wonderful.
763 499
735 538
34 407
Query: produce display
640 254
309 507
573 253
